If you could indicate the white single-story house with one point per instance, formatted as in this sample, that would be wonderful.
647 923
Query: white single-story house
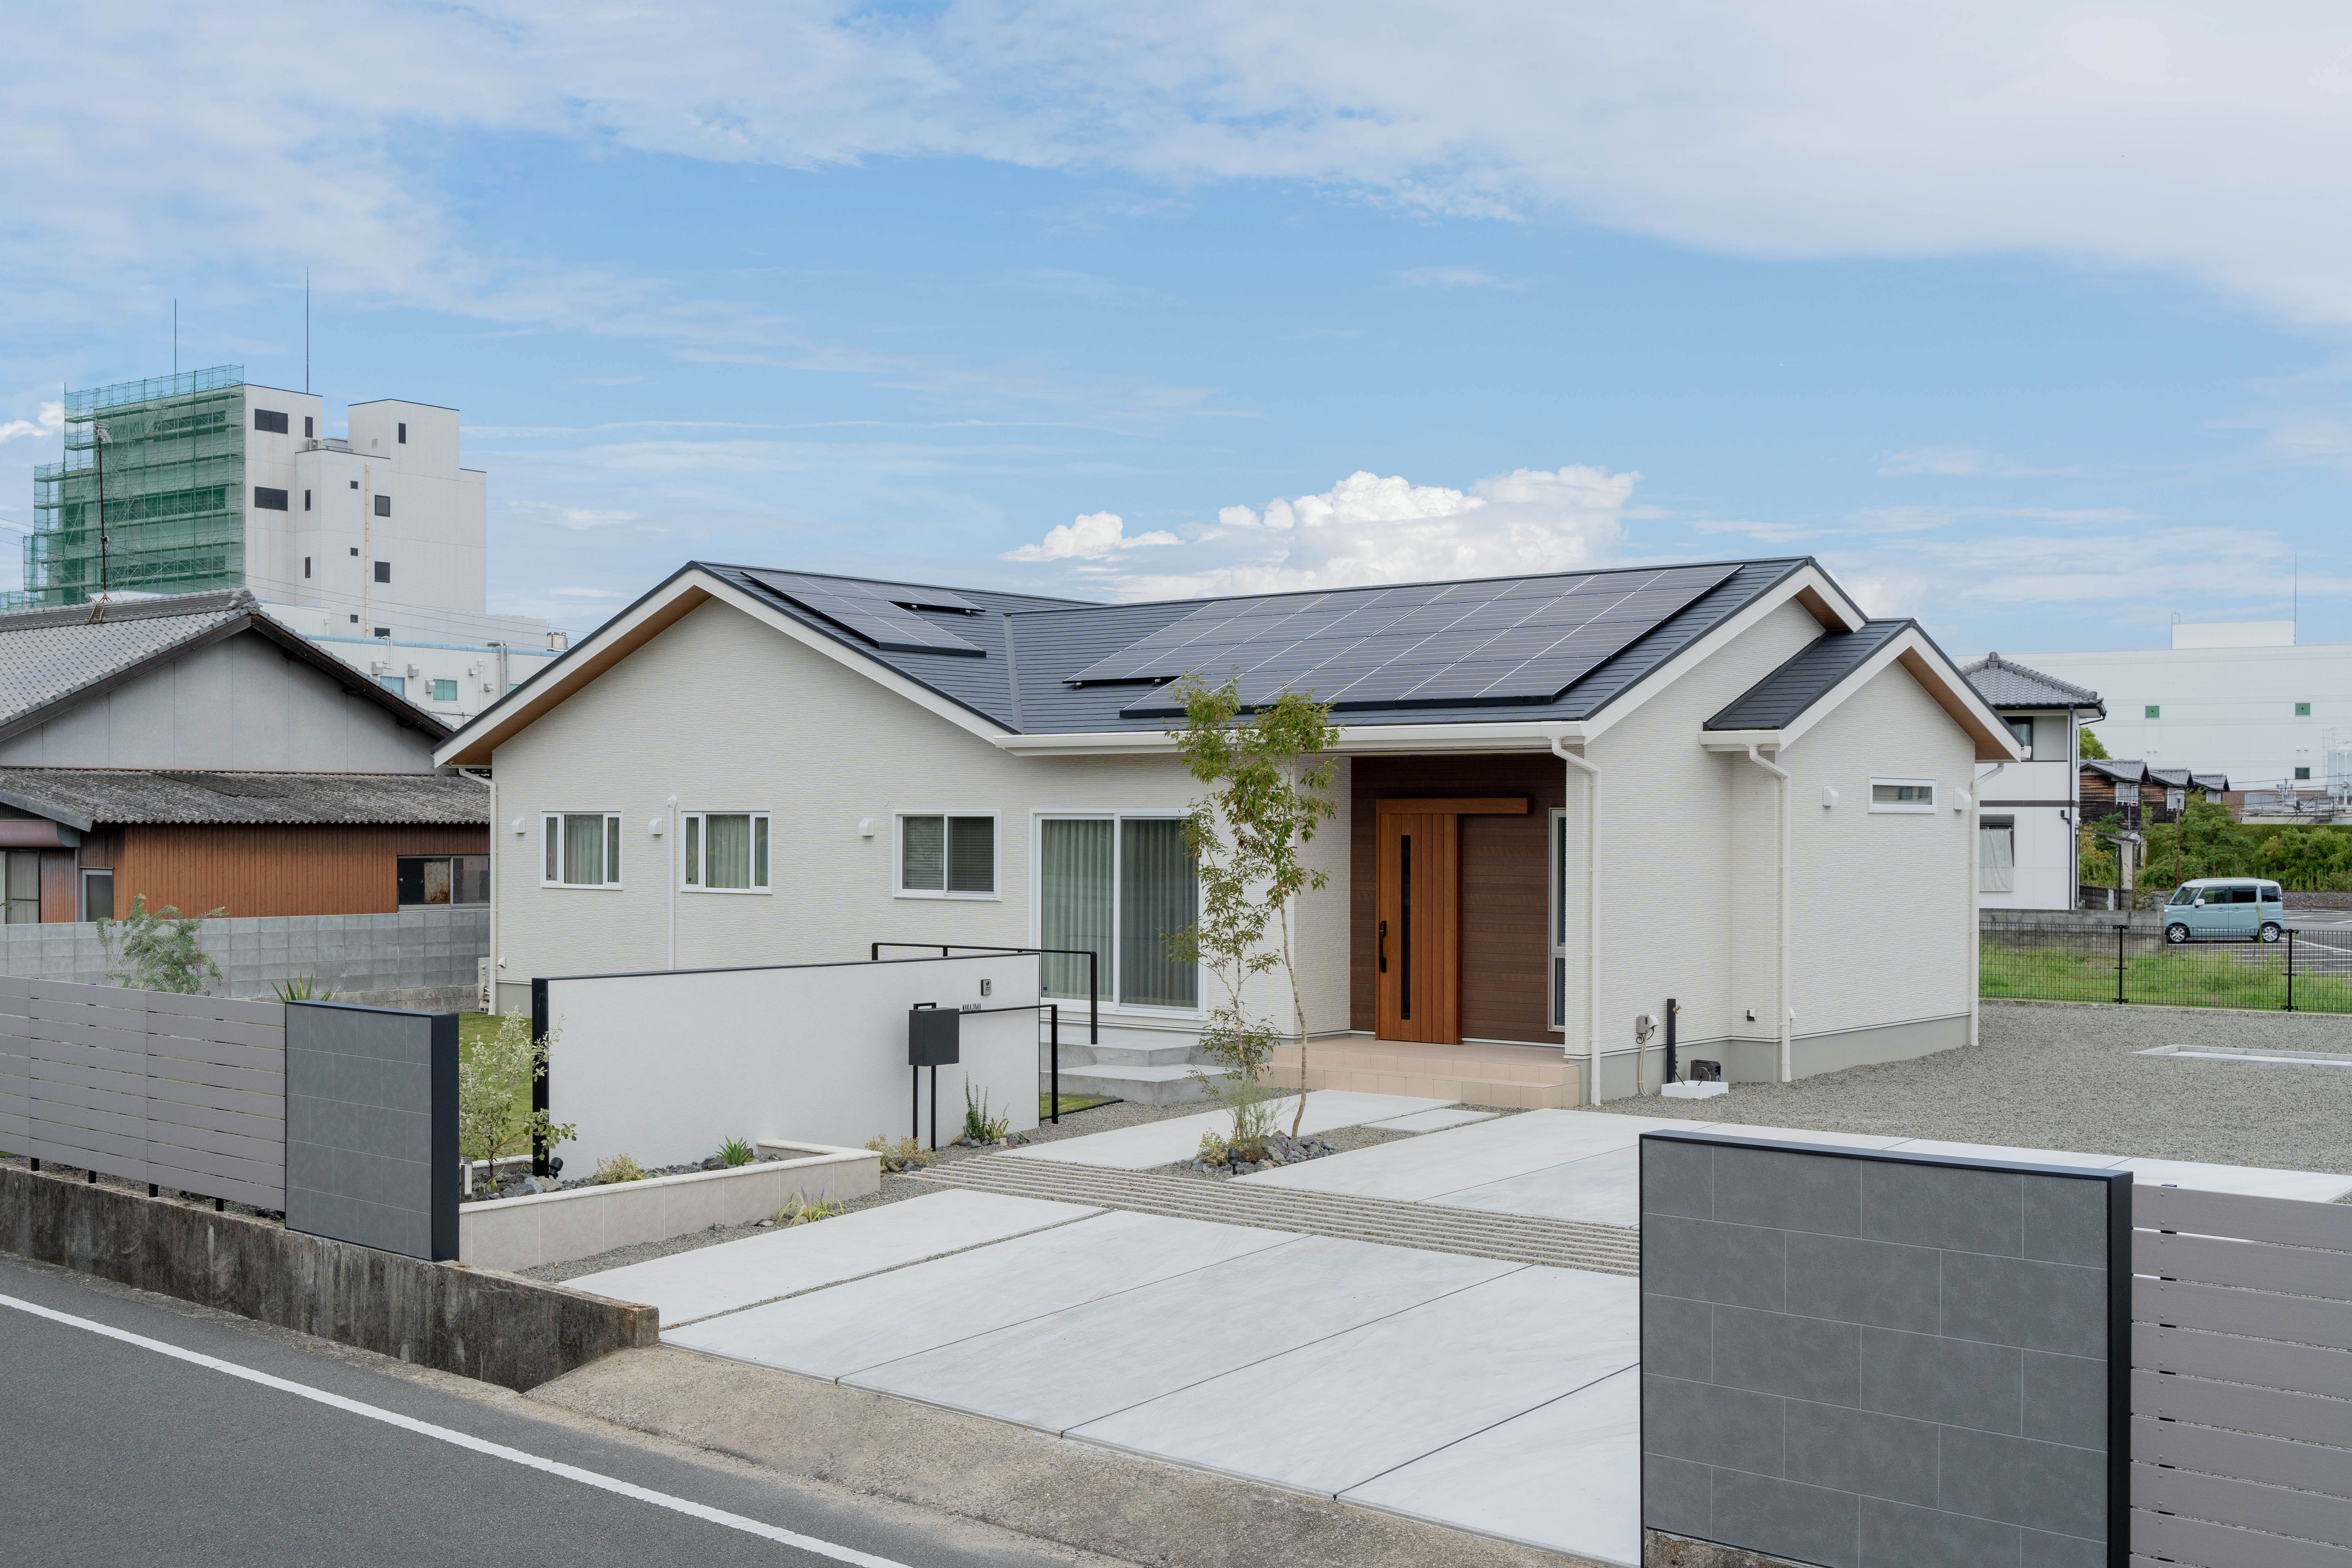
2030 812
1564 801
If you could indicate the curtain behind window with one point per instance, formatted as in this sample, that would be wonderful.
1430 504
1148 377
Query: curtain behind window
727 852
1073 910
584 849
1159 893
923 858
971 854
1996 860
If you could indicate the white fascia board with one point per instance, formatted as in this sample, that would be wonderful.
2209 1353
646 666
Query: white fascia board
1910 641
1806 578
848 657
1354 741
580 664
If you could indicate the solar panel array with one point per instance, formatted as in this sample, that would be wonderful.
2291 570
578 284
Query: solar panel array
878 612
1430 644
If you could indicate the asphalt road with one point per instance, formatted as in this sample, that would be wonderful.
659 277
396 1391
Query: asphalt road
120 1453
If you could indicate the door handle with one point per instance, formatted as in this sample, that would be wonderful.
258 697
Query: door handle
1384 947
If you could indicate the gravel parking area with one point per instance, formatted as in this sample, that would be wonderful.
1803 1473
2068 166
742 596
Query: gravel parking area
2055 1075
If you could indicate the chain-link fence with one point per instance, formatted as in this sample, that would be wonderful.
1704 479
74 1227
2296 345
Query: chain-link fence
2304 972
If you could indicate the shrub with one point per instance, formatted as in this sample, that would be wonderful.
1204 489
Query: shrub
737 1151
159 952
1214 1149
901 1153
494 1082
619 1168
800 1211
978 1126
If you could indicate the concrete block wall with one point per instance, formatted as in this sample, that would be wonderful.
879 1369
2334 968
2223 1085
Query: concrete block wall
418 957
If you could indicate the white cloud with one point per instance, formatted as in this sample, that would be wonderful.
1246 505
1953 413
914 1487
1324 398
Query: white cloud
2200 139
49 421
573 516
1454 278
1094 536
1959 462
585 593
1368 529
1918 518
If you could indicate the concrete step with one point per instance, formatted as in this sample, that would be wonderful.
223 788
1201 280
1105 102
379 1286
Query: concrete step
1129 1056
1143 1085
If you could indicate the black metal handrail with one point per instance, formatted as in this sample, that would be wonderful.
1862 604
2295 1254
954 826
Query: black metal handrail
1094 959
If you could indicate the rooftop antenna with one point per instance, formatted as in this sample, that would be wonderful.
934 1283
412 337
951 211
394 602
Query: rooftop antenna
175 337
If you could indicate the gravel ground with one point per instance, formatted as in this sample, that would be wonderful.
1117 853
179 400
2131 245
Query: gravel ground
2056 1074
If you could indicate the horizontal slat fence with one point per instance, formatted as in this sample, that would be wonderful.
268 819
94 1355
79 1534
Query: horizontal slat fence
2241 1381
187 1092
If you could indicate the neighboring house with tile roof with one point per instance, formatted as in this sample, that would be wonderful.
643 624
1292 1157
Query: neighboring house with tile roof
1562 800
2029 844
193 751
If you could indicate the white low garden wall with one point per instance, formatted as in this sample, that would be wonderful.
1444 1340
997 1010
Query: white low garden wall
556 1227
666 1067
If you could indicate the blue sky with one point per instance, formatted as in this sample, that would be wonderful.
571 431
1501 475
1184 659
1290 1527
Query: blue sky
2030 321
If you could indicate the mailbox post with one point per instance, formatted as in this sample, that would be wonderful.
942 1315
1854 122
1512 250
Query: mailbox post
934 1039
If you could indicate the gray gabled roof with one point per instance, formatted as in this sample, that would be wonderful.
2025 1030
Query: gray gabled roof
1031 645
83 798
51 659
1778 699
2004 683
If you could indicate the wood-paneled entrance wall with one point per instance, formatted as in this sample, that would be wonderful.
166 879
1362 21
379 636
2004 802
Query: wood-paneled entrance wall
1504 983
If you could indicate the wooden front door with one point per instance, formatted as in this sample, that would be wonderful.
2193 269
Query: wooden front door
1417 930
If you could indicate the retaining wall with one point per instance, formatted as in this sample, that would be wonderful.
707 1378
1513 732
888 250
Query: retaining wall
480 1323
426 959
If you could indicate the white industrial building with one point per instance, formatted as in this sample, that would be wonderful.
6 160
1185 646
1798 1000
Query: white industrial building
372 545
2239 698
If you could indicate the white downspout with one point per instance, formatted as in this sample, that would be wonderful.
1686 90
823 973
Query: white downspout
670 853
1976 897
1591 920
1780 888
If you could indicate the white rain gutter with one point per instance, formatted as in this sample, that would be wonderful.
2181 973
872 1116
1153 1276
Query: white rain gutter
1781 882
1976 894
670 854
1591 773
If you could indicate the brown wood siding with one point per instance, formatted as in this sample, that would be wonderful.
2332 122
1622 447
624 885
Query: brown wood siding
59 900
270 871
1506 888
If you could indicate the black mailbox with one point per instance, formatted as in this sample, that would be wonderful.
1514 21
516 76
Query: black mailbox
934 1038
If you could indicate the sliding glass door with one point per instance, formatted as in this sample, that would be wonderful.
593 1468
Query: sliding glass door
1117 888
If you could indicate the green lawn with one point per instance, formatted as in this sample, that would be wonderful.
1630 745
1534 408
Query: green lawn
2229 974
1070 1102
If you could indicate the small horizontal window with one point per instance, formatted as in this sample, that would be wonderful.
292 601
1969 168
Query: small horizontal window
269 419
2303 773
384 631
267 499
395 684
1901 794
947 856
725 851
429 879
2151 711
583 848
384 505
445 691
2303 710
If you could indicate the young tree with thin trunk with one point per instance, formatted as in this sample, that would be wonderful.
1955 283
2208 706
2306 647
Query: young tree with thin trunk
1267 797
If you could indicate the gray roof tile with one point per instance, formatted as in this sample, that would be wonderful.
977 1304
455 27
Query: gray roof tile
82 797
1815 669
2003 683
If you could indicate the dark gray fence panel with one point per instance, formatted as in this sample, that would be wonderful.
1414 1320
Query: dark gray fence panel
1873 1361
184 1091
372 1126
2242 1381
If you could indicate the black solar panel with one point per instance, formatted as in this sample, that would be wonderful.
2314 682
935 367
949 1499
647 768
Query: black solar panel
1522 640
876 611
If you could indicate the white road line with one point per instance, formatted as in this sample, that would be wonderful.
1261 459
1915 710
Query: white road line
463 1440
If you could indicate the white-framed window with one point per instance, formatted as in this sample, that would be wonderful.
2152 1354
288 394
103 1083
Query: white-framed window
723 851
580 849
1916 795
1116 884
945 854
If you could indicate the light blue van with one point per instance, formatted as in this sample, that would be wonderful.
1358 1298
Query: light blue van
2225 908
